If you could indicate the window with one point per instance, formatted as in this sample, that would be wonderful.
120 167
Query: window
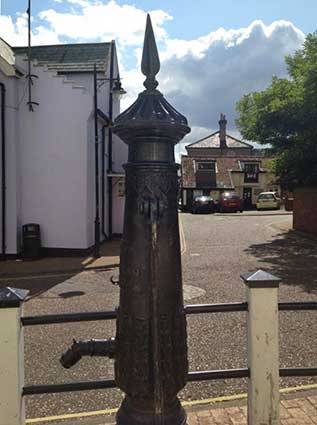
251 171
205 173
206 166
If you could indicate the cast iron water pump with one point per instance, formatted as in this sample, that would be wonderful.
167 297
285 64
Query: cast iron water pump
150 349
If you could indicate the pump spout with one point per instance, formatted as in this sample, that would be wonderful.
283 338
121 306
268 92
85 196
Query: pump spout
90 347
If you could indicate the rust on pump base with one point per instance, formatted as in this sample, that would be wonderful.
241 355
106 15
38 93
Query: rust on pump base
150 348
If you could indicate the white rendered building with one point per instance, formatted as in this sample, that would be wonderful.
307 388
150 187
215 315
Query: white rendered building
47 168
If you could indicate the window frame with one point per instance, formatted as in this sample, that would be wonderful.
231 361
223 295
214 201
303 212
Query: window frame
206 162
247 175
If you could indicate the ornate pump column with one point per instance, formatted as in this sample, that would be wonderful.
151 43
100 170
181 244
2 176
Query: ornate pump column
151 352
150 348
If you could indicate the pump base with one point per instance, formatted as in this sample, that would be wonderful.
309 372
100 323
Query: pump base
129 415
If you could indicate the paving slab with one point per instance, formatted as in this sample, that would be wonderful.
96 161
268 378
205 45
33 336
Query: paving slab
109 257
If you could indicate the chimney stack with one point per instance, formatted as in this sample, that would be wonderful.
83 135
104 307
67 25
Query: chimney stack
222 131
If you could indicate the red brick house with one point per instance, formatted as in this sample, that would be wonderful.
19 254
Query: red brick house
220 162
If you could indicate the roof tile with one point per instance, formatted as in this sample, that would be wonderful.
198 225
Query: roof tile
69 57
213 141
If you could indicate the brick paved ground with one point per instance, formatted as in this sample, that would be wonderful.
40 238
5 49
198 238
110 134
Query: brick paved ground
299 411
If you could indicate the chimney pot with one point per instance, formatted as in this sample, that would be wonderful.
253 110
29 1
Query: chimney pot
222 131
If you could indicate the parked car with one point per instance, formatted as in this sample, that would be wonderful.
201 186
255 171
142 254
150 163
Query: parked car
230 202
203 204
288 202
268 201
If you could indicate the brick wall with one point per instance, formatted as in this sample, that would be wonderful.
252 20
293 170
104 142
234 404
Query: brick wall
305 209
188 172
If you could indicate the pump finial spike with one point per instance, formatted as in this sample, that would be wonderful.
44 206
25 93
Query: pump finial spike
150 65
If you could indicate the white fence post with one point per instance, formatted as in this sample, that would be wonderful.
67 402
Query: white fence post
11 357
263 348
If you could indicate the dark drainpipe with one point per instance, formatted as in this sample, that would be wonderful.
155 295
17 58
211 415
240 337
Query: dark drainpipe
110 141
97 220
3 171
103 173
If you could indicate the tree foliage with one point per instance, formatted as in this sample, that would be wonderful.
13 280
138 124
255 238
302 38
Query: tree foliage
285 116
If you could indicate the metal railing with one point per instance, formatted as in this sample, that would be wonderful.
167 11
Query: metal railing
190 309
192 376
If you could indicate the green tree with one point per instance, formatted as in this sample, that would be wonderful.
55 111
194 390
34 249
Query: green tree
285 116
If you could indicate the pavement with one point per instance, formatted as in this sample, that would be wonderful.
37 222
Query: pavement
215 250
109 254
296 408
295 411
109 257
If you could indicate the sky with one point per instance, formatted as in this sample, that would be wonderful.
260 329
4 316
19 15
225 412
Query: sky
212 52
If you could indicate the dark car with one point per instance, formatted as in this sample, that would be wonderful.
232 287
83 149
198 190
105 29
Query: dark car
203 204
230 202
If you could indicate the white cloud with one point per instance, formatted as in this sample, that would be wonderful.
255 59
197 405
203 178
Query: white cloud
132 81
16 32
200 77
104 21
204 77
82 3
13 32
209 75
227 38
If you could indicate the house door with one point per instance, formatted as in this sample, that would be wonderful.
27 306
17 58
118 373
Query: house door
247 197
189 200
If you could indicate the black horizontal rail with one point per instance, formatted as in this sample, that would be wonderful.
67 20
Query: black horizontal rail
210 375
293 306
205 375
189 309
68 387
68 318
98 385
231 307
298 371
215 308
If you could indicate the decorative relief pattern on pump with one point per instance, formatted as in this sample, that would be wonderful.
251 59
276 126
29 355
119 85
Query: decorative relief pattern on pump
154 191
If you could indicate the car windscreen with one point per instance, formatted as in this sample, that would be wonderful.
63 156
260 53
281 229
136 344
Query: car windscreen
203 198
267 196
231 197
